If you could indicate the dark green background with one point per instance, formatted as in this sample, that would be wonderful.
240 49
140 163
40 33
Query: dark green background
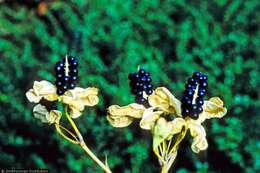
170 38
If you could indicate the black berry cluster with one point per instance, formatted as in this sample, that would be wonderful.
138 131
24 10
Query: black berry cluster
140 82
192 100
66 74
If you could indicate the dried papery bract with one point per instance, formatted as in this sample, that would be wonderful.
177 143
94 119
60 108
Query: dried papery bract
73 100
163 117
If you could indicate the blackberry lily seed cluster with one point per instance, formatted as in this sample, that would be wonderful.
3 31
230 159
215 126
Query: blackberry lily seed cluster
167 118
66 74
140 83
195 90
72 101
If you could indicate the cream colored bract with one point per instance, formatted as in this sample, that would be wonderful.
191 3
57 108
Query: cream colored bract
165 105
76 99
124 116
42 89
45 116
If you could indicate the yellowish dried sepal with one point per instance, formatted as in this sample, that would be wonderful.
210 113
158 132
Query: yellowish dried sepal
213 108
40 112
42 89
164 130
198 133
163 99
150 116
78 98
125 115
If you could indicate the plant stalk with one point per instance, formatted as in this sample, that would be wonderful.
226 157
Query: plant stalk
81 142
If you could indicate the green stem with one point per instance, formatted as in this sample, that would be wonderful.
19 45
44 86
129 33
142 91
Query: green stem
92 155
178 141
57 126
83 144
164 169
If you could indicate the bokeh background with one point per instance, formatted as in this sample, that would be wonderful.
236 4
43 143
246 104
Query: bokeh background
169 38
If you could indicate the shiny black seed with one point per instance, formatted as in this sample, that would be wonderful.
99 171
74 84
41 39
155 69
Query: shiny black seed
141 72
66 78
139 100
74 78
149 92
204 84
199 101
72 58
147 74
189 86
192 81
187 100
143 79
189 93
200 109
73 72
203 90
194 107
148 80
74 63
59 75
58 68
60 91
203 77
194 116
149 86
196 75
135 76
65 87
59 63
137 85
72 85
201 93
58 83
139 93
185 111
145 87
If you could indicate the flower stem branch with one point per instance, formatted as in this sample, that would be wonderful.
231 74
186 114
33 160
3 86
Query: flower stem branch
166 154
178 141
83 145
58 128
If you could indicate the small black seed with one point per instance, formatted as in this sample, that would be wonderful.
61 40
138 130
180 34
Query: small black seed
204 84
196 75
199 101
149 86
66 78
60 91
200 109
141 72
149 92
58 83
139 100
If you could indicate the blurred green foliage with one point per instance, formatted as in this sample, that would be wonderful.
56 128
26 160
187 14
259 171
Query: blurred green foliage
170 38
